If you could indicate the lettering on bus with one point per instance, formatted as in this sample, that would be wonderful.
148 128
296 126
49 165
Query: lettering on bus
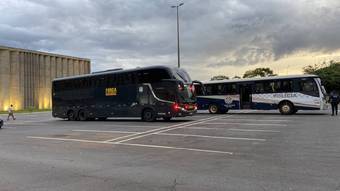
111 91
285 95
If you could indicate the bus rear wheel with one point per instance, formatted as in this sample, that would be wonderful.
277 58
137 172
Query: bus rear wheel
82 115
148 115
71 116
286 108
213 109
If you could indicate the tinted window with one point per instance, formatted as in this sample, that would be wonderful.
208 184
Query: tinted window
308 86
152 75
198 89
278 86
231 88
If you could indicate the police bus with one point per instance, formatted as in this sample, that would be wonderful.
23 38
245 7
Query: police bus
288 94
149 93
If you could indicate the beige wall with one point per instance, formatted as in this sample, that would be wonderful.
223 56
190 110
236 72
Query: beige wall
26 76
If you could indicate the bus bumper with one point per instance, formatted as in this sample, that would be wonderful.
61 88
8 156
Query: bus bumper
180 113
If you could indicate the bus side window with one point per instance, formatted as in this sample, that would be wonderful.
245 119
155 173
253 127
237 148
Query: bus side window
286 86
259 87
230 89
198 90
210 89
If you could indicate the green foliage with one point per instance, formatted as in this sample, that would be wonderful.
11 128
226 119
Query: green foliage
219 77
329 74
259 72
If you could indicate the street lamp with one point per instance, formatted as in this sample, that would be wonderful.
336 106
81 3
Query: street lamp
178 51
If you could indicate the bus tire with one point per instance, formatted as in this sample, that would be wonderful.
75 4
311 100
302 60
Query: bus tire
148 115
71 115
213 109
286 108
82 115
167 118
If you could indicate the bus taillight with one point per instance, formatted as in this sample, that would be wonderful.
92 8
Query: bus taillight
176 107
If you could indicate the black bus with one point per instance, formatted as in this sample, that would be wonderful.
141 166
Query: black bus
149 93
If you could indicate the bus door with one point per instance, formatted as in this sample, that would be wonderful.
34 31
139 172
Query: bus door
143 97
245 96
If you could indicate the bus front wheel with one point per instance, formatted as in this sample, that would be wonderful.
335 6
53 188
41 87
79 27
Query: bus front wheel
213 109
148 115
82 115
286 108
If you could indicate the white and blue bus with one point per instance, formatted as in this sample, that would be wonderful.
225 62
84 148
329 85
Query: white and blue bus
288 94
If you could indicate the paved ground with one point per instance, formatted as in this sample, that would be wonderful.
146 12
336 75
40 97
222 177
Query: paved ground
238 151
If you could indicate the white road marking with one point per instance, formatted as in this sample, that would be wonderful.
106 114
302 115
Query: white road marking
175 148
63 139
205 128
128 144
254 130
249 124
232 129
247 119
161 130
213 137
99 131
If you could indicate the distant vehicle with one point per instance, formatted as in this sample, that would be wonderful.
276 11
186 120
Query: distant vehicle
1 123
286 93
149 93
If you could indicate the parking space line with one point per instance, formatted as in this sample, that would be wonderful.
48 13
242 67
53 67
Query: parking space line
175 148
249 124
213 137
63 139
99 131
247 119
161 130
232 129
254 130
130 144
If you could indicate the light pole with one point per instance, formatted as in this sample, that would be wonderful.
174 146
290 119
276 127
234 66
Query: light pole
178 49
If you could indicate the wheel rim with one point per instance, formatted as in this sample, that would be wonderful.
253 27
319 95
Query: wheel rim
213 109
71 116
286 108
148 115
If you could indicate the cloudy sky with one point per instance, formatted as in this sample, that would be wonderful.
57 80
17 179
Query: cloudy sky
217 36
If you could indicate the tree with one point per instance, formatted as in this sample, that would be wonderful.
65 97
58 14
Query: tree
219 77
329 74
236 77
259 72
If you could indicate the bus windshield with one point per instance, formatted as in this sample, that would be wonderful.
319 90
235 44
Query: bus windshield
175 91
186 94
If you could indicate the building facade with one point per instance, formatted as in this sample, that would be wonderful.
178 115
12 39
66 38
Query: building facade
26 76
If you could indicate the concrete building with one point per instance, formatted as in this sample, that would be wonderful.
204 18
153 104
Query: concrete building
26 76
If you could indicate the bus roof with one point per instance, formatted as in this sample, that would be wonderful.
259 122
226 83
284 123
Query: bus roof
262 78
114 71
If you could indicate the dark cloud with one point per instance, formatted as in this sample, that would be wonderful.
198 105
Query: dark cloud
214 33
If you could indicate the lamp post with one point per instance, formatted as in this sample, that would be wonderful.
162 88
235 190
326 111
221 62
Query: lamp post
178 49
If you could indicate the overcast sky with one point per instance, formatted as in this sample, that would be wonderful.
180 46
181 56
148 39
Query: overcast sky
217 36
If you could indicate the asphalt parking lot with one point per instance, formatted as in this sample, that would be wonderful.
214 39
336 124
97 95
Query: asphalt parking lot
247 150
